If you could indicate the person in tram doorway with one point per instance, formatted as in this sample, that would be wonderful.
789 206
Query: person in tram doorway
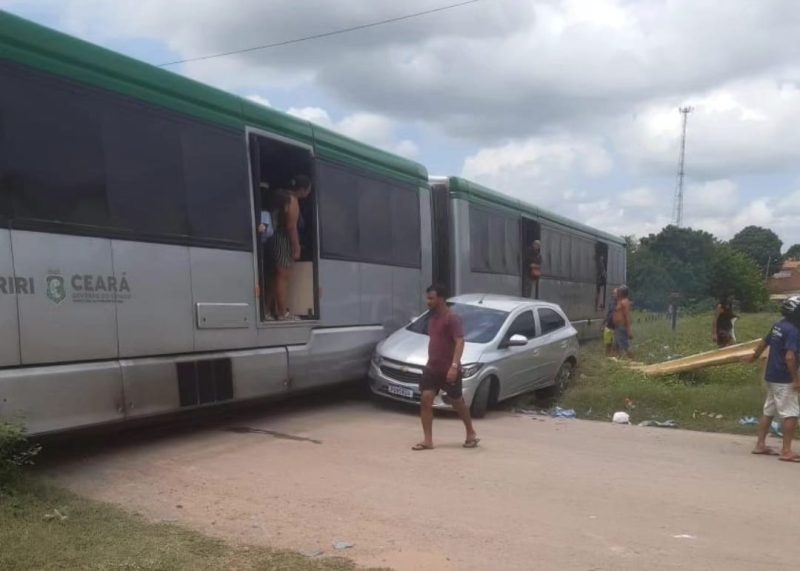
782 379
601 278
443 371
265 230
534 264
284 244
623 332
722 326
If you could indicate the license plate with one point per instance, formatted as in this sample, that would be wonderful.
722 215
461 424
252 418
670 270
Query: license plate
400 391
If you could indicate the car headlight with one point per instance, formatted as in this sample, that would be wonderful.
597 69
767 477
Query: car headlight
376 359
470 370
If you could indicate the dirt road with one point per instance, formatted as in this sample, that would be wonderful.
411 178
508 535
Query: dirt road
537 494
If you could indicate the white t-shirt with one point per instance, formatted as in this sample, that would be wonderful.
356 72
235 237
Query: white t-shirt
266 219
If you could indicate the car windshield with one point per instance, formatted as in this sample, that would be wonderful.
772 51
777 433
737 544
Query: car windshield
481 324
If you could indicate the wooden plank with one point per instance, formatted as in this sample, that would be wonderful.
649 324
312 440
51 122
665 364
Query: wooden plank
725 356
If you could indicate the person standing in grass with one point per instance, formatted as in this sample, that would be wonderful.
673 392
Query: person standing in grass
722 327
608 324
783 382
623 329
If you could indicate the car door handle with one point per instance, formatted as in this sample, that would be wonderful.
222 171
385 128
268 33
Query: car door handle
535 352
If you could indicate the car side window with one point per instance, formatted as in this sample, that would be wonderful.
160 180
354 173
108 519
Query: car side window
550 321
524 324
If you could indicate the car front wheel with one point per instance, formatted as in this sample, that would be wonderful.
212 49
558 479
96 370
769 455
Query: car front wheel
480 402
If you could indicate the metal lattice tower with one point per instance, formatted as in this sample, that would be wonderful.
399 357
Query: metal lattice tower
677 208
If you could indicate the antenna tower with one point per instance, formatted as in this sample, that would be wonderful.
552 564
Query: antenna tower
677 208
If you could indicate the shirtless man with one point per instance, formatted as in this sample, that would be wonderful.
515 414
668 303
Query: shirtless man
622 323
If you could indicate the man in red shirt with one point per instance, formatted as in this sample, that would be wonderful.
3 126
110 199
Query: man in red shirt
443 371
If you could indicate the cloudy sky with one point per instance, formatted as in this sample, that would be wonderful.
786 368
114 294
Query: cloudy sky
569 104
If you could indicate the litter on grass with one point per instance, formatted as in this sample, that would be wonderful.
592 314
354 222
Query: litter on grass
659 423
555 412
621 418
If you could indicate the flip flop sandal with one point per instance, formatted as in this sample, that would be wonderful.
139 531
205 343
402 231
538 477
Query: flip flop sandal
795 459
765 452
421 446
471 443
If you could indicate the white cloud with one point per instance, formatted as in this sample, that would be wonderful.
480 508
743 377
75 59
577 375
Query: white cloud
314 114
538 170
642 198
746 127
260 100
716 198
367 127
485 71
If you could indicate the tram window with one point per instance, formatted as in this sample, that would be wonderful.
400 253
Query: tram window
215 169
551 249
338 204
497 244
479 239
374 221
583 260
145 175
365 219
511 247
494 242
566 254
405 227
53 152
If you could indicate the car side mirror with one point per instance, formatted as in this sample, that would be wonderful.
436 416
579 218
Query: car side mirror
515 341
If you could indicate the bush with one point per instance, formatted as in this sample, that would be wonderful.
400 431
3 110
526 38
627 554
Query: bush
15 452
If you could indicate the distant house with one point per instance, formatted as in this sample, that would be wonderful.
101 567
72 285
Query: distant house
787 280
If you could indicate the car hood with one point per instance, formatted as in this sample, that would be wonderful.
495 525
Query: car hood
412 348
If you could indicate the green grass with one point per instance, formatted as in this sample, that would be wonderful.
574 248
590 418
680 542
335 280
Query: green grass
98 536
601 386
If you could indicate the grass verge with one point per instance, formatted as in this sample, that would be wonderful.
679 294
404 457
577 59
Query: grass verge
602 386
90 535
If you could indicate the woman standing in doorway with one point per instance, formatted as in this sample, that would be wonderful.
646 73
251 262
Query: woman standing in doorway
284 245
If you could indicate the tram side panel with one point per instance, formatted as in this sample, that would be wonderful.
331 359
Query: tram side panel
10 289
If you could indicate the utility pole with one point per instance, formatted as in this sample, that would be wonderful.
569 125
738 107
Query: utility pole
677 209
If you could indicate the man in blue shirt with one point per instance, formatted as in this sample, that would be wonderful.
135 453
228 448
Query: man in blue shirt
783 383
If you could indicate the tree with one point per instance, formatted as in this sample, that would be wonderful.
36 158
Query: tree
674 259
761 244
697 265
793 253
735 273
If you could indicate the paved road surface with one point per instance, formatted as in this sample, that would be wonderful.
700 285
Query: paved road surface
537 494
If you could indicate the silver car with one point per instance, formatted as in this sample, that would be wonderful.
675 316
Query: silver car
513 346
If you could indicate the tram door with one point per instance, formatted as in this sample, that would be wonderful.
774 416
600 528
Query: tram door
601 275
530 231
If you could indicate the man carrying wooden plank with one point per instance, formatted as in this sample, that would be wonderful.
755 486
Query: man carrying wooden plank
783 382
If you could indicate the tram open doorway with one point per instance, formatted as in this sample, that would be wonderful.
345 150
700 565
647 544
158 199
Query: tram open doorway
282 173
601 279
530 233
